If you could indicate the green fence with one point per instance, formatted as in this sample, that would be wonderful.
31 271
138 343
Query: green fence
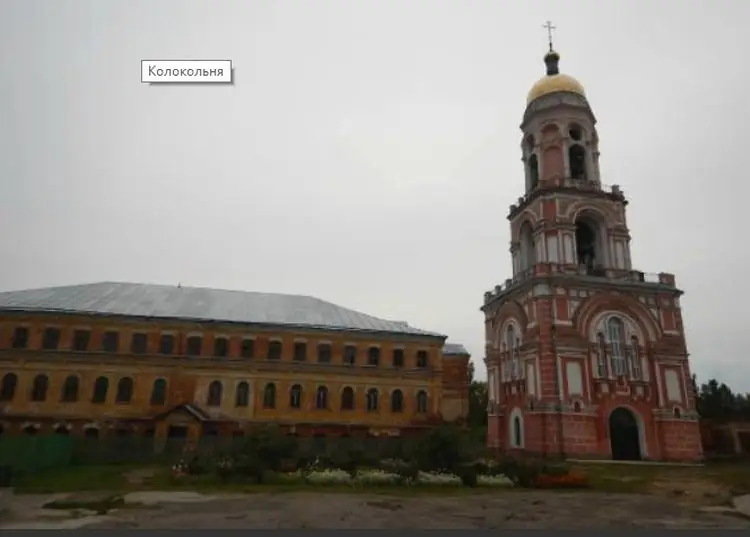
31 454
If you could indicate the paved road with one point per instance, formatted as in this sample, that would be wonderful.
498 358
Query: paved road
498 510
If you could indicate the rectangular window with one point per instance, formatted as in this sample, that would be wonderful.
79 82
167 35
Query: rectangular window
274 350
81 339
248 348
373 356
110 341
139 344
194 345
20 337
350 355
221 347
324 353
300 351
421 359
51 339
166 344
398 358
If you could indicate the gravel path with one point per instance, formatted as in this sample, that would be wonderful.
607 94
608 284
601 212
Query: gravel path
497 510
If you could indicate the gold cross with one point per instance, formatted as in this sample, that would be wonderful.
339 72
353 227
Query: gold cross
549 28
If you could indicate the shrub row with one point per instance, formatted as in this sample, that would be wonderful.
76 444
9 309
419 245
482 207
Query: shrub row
267 454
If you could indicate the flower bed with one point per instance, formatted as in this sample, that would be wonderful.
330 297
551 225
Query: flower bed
370 478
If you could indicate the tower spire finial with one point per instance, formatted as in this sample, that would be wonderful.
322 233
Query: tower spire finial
550 28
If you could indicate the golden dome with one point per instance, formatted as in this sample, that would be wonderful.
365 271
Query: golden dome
554 81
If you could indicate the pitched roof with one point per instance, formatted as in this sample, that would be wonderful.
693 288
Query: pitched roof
454 349
200 304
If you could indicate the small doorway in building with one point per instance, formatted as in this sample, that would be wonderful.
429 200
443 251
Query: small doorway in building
624 435
176 438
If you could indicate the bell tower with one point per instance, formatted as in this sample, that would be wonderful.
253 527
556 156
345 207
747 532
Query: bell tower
585 356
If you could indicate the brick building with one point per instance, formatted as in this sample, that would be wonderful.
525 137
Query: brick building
586 355
176 362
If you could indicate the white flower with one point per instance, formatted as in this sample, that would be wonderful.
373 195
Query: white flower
329 477
376 477
494 481
435 478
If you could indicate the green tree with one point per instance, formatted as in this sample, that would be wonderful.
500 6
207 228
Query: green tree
717 402
477 419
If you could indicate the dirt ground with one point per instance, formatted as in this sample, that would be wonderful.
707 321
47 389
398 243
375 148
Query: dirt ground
491 510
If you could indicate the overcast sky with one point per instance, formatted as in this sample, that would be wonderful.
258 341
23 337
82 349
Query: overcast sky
368 151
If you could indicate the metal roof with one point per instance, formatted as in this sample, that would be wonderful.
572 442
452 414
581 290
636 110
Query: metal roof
454 349
200 304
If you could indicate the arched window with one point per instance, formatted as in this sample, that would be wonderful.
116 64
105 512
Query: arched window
517 434
242 397
601 356
577 161
512 357
8 388
101 385
70 389
586 245
321 398
269 396
528 248
215 391
372 400
397 401
39 388
422 402
295 396
124 390
159 392
533 172
62 429
634 357
347 399
616 340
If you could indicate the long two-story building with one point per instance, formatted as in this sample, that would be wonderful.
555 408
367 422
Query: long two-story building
129 359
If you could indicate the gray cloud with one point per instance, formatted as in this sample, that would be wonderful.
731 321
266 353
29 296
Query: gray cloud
368 152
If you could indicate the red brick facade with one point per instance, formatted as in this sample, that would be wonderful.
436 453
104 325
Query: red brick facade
586 356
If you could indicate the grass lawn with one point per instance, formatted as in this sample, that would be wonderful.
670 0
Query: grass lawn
713 483
76 478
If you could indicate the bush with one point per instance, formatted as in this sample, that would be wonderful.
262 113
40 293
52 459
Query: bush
522 473
443 448
407 471
469 475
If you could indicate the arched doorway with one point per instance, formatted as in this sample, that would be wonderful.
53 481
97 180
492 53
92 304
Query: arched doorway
624 435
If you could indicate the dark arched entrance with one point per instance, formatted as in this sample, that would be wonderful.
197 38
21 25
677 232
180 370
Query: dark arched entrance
624 437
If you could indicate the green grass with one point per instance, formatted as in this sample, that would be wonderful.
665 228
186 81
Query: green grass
733 478
76 479
726 478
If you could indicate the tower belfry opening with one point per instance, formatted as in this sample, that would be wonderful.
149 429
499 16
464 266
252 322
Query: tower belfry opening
586 246
577 160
